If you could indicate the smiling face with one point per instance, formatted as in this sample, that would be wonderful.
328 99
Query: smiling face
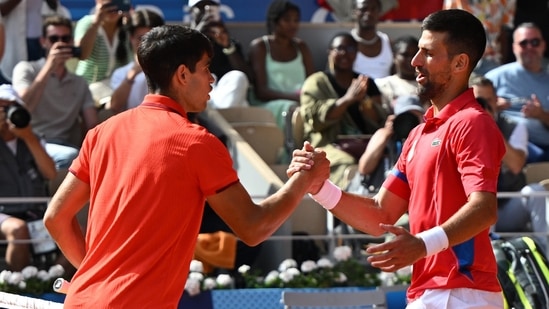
528 47
342 53
433 65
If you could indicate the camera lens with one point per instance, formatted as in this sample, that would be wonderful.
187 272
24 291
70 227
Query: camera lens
18 115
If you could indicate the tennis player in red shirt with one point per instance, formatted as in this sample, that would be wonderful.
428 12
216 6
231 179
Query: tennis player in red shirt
445 178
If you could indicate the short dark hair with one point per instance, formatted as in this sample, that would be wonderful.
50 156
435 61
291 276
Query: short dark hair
55 20
403 41
346 35
163 49
465 33
276 9
143 19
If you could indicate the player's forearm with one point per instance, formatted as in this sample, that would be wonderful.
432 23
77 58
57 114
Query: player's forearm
69 238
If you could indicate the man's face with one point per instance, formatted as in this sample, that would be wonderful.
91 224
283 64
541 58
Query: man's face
528 47
367 13
403 61
433 65
60 36
200 85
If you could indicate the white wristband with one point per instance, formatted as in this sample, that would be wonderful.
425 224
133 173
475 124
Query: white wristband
328 196
435 240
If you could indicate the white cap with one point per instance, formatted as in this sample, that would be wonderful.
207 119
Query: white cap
7 93
195 2
406 103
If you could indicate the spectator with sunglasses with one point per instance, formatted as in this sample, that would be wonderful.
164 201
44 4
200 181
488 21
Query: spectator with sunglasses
55 97
522 89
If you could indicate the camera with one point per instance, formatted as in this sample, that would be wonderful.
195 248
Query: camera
18 115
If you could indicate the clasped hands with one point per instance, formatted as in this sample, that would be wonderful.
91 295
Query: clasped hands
311 160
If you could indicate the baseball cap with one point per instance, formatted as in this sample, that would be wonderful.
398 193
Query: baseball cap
195 2
406 103
7 93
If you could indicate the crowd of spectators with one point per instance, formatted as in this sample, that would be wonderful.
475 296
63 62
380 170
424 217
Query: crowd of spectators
367 83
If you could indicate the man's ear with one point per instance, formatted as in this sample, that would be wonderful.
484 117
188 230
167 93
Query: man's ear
460 62
182 74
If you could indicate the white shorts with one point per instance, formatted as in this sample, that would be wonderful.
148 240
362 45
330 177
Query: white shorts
462 298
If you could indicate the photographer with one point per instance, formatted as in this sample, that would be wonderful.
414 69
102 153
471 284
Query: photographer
55 97
24 168
384 147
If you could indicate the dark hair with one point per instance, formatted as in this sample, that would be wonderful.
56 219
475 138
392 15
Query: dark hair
346 35
143 19
55 20
403 41
276 9
163 49
465 33
481 81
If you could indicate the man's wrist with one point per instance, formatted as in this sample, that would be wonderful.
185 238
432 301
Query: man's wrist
435 240
328 196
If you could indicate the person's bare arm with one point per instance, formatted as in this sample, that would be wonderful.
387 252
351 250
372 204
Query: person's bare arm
87 41
60 218
514 158
376 148
43 161
307 55
8 6
253 223
478 214
89 115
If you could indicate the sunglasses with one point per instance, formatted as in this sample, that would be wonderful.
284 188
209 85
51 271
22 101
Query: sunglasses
63 38
344 49
534 42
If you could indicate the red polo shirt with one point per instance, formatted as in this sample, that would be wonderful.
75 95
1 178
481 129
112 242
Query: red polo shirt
451 155
150 170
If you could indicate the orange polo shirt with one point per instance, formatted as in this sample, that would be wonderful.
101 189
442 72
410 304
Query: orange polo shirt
149 170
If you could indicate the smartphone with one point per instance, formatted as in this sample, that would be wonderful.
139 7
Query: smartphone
76 51
122 5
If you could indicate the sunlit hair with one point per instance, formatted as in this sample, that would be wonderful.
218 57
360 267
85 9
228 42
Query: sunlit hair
143 19
276 9
163 49
464 33
57 21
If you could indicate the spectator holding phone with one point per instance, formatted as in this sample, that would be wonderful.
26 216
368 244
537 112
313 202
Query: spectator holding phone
55 97
128 82
105 46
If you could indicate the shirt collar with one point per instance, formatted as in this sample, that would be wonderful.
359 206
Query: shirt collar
165 102
454 106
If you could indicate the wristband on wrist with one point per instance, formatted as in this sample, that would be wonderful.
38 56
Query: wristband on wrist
129 81
435 240
328 196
